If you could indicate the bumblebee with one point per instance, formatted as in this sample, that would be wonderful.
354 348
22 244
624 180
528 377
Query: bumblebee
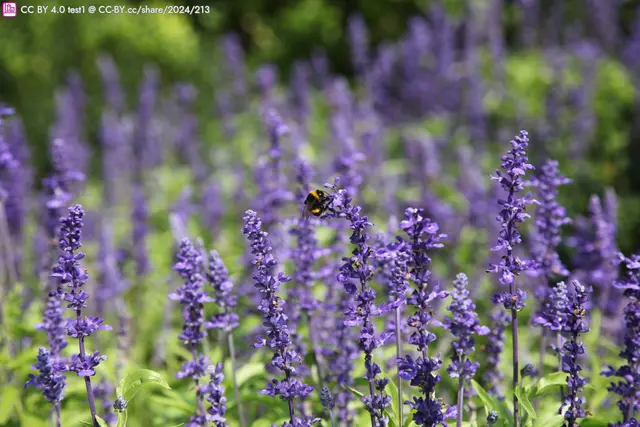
316 203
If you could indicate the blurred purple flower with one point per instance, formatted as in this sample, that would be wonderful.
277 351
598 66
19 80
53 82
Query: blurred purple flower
50 379
275 320
628 388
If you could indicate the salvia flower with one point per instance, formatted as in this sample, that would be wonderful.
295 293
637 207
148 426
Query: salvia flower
515 165
68 272
550 217
51 379
192 297
628 387
218 277
554 313
275 320
422 372
53 323
493 375
359 267
214 394
572 350
463 325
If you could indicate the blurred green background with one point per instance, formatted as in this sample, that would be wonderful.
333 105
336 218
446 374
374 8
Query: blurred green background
37 53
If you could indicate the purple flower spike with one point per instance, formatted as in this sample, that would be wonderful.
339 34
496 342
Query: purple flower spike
515 165
628 388
68 272
493 375
359 267
550 217
422 372
214 392
51 379
218 277
572 350
463 325
192 298
278 337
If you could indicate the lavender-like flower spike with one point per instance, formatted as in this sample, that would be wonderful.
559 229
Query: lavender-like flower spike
628 388
463 325
50 379
277 333
550 217
214 392
68 272
192 298
359 267
554 313
218 277
572 350
422 236
493 375
53 323
514 164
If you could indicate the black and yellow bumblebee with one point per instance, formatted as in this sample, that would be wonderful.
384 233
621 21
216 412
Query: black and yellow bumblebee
316 203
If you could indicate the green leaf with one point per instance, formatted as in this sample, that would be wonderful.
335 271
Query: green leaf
553 380
549 420
353 391
122 419
490 403
10 399
133 382
524 402
595 422
249 371
101 422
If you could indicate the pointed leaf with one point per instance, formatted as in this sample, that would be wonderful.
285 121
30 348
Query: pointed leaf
122 419
550 420
491 403
133 382
101 422
523 399
551 381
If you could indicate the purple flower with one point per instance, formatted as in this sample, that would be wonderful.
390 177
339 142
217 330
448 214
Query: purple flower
359 42
422 236
493 375
515 166
50 379
358 267
275 320
191 294
463 325
572 350
550 217
554 313
214 394
628 388
596 253
218 277
68 272
139 230
53 323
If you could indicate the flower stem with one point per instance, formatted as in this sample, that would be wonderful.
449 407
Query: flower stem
372 392
58 420
516 371
199 402
460 401
87 382
236 390
399 355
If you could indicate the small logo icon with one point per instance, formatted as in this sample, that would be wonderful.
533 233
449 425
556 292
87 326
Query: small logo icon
9 9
